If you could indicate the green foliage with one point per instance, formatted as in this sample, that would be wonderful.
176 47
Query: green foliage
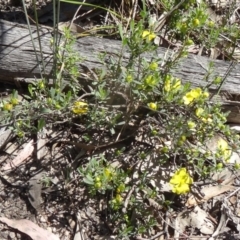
103 178
46 100
186 115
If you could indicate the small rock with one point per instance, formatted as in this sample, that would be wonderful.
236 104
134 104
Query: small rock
71 221
43 219
12 235
18 235
32 169
67 234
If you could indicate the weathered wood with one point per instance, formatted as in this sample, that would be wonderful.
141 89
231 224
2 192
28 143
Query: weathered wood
18 60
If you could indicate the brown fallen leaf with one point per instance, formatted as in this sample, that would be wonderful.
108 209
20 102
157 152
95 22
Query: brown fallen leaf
5 137
194 218
41 144
208 192
35 190
23 155
79 233
29 228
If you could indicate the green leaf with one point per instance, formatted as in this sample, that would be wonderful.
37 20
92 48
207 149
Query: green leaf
88 179
27 97
15 94
30 89
121 123
112 130
41 124
52 92
46 110
120 31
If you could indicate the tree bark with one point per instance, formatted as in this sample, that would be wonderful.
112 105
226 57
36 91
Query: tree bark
18 62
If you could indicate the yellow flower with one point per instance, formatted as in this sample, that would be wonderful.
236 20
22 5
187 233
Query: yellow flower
196 22
167 85
224 149
58 106
20 134
207 120
192 95
188 98
181 181
49 101
108 173
205 94
199 112
222 145
19 123
7 107
210 23
14 101
153 106
165 149
237 166
98 185
177 84
118 199
191 124
148 35
121 188
219 166
145 34
189 42
182 27
171 83
129 78
97 179
217 80
153 66
150 81
183 138
80 107
41 85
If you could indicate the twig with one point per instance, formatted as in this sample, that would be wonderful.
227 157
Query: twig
232 65
221 225
152 238
163 19
233 193
157 235
124 210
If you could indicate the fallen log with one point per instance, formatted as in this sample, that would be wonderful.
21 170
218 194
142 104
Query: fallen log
18 62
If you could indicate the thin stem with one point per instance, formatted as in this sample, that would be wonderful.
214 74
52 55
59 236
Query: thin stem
31 36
